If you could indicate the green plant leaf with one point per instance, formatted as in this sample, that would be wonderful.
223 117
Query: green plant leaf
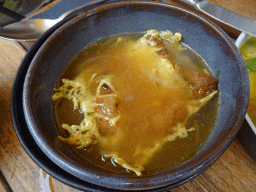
251 64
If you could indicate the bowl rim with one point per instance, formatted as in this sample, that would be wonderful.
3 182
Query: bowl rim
198 161
242 38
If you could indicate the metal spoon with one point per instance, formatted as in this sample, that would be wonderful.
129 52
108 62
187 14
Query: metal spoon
35 27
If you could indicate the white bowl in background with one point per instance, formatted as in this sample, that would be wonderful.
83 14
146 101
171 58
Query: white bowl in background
247 134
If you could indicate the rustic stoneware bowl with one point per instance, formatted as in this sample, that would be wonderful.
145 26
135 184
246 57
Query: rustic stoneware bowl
32 111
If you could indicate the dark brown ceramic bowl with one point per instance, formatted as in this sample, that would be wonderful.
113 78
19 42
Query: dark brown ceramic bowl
43 65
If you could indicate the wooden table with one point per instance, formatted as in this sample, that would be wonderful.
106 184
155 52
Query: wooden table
233 171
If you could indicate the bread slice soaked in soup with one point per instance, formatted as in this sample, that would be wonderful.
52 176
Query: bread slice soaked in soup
133 114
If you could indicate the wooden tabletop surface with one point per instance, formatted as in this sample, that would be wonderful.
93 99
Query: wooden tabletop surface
233 171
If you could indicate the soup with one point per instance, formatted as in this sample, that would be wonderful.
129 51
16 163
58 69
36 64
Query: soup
136 103
248 51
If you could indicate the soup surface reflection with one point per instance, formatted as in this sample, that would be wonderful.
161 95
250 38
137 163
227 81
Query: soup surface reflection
135 103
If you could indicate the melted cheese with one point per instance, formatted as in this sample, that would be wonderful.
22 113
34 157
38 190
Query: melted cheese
158 70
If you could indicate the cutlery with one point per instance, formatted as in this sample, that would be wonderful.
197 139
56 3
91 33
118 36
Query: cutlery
36 26
223 15
33 28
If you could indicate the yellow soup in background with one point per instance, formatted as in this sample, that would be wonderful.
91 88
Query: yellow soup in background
248 51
